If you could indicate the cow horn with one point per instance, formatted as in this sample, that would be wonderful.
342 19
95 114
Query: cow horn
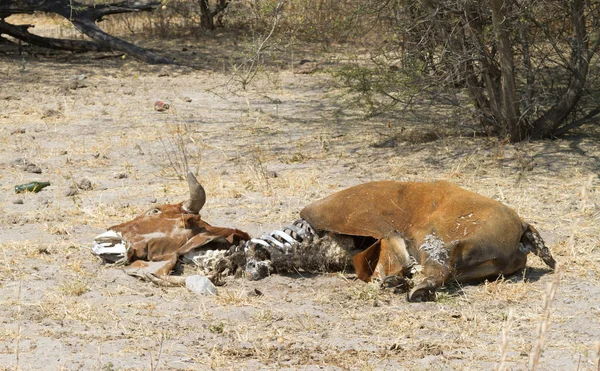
197 196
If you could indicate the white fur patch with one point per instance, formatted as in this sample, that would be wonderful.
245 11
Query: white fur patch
151 235
435 249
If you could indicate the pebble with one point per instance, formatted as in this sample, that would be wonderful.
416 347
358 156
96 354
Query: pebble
85 184
71 191
18 201
33 168
249 293
161 106
25 165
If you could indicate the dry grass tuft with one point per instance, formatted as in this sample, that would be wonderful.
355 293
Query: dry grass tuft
62 306
74 288
236 297
543 326
368 292
597 356
18 342
504 346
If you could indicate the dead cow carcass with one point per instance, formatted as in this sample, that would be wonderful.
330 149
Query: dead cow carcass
394 226
152 243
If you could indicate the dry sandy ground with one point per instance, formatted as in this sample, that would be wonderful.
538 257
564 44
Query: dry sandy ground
262 155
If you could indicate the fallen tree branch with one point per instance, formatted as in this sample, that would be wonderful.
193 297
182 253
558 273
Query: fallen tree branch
21 33
84 18
590 117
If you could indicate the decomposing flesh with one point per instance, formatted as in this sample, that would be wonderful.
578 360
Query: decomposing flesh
392 228
384 230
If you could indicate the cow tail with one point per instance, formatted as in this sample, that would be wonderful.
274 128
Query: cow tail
533 242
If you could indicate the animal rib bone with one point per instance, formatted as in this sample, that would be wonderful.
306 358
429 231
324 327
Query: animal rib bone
295 247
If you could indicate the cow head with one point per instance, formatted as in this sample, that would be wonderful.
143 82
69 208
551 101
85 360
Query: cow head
156 239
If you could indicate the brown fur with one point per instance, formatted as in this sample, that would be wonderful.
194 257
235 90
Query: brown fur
167 232
452 232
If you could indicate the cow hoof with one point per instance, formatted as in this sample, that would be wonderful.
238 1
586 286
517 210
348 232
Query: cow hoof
399 284
420 294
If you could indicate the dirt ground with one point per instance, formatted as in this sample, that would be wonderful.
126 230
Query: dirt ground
262 154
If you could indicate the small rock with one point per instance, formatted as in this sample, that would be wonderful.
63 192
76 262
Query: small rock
120 175
153 200
81 77
72 191
74 85
161 106
200 285
18 201
591 273
25 165
51 113
139 149
17 131
20 163
33 168
306 66
187 99
388 143
85 184
251 293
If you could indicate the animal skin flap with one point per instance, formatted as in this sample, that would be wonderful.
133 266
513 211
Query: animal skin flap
142 269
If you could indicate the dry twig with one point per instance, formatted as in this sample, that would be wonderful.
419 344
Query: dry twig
543 326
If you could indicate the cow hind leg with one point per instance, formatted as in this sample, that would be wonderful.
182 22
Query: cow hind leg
493 268
479 272
386 260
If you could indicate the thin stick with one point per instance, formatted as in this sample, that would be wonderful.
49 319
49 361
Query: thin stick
597 358
18 324
543 326
571 243
154 367
505 331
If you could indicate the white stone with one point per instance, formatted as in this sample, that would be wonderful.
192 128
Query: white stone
200 285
